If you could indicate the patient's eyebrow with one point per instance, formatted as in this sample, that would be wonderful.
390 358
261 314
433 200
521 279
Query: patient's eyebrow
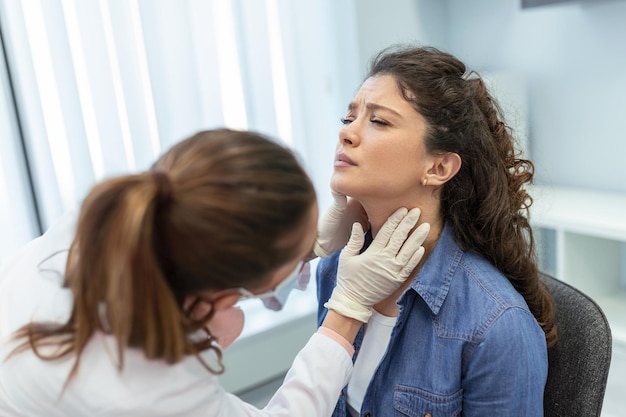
372 107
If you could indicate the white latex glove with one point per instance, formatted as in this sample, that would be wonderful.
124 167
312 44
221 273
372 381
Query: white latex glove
333 230
366 279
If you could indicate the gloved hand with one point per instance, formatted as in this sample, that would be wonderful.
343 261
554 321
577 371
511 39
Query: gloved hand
333 231
366 279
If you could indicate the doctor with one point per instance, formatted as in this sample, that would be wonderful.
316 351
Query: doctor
124 309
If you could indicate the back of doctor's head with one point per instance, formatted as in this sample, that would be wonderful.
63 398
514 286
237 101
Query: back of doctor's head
212 213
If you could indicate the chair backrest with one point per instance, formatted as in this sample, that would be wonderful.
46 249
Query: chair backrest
578 365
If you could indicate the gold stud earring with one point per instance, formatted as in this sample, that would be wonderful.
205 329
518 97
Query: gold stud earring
424 182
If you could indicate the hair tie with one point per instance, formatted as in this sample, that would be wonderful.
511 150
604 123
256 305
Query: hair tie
163 186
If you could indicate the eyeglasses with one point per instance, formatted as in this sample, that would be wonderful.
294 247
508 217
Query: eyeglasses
285 285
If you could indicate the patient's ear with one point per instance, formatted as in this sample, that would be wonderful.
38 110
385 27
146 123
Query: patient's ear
443 168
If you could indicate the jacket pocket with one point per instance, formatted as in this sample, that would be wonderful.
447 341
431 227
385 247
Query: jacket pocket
414 402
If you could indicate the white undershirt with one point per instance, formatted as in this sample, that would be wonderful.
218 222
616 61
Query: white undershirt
375 341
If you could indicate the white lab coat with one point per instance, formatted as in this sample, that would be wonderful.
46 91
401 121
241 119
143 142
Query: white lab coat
30 288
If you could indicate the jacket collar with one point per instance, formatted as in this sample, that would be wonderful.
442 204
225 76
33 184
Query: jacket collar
433 281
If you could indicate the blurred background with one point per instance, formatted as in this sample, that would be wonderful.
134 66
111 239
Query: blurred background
95 88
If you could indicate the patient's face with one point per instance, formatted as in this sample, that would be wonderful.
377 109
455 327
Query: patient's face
380 154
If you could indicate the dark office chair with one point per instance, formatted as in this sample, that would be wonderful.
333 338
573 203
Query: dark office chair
578 365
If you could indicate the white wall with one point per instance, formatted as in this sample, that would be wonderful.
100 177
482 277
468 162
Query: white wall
380 24
570 56
322 45
573 57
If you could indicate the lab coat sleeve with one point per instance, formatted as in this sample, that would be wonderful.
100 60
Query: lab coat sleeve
311 387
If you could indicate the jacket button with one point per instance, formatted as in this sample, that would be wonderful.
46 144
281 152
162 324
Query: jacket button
368 415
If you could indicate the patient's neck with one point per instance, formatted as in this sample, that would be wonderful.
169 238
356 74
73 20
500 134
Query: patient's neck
379 213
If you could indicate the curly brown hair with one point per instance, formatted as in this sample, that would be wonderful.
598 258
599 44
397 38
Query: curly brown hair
485 202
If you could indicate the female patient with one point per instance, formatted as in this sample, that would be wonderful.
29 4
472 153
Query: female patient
467 334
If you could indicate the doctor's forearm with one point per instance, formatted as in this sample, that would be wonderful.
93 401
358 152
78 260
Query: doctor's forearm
345 327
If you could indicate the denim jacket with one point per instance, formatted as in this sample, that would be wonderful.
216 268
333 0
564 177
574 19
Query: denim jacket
464 344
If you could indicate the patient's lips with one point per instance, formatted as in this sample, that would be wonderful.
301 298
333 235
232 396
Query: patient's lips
342 160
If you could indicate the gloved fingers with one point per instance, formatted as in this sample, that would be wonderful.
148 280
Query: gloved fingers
331 232
335 212
356 213
413 243
411 264
319 251
357 239
339 201
384 234
402 231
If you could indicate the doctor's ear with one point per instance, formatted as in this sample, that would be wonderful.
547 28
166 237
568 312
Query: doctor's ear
198 307
443 168
226 301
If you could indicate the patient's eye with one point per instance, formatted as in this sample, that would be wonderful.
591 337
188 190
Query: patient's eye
379 121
